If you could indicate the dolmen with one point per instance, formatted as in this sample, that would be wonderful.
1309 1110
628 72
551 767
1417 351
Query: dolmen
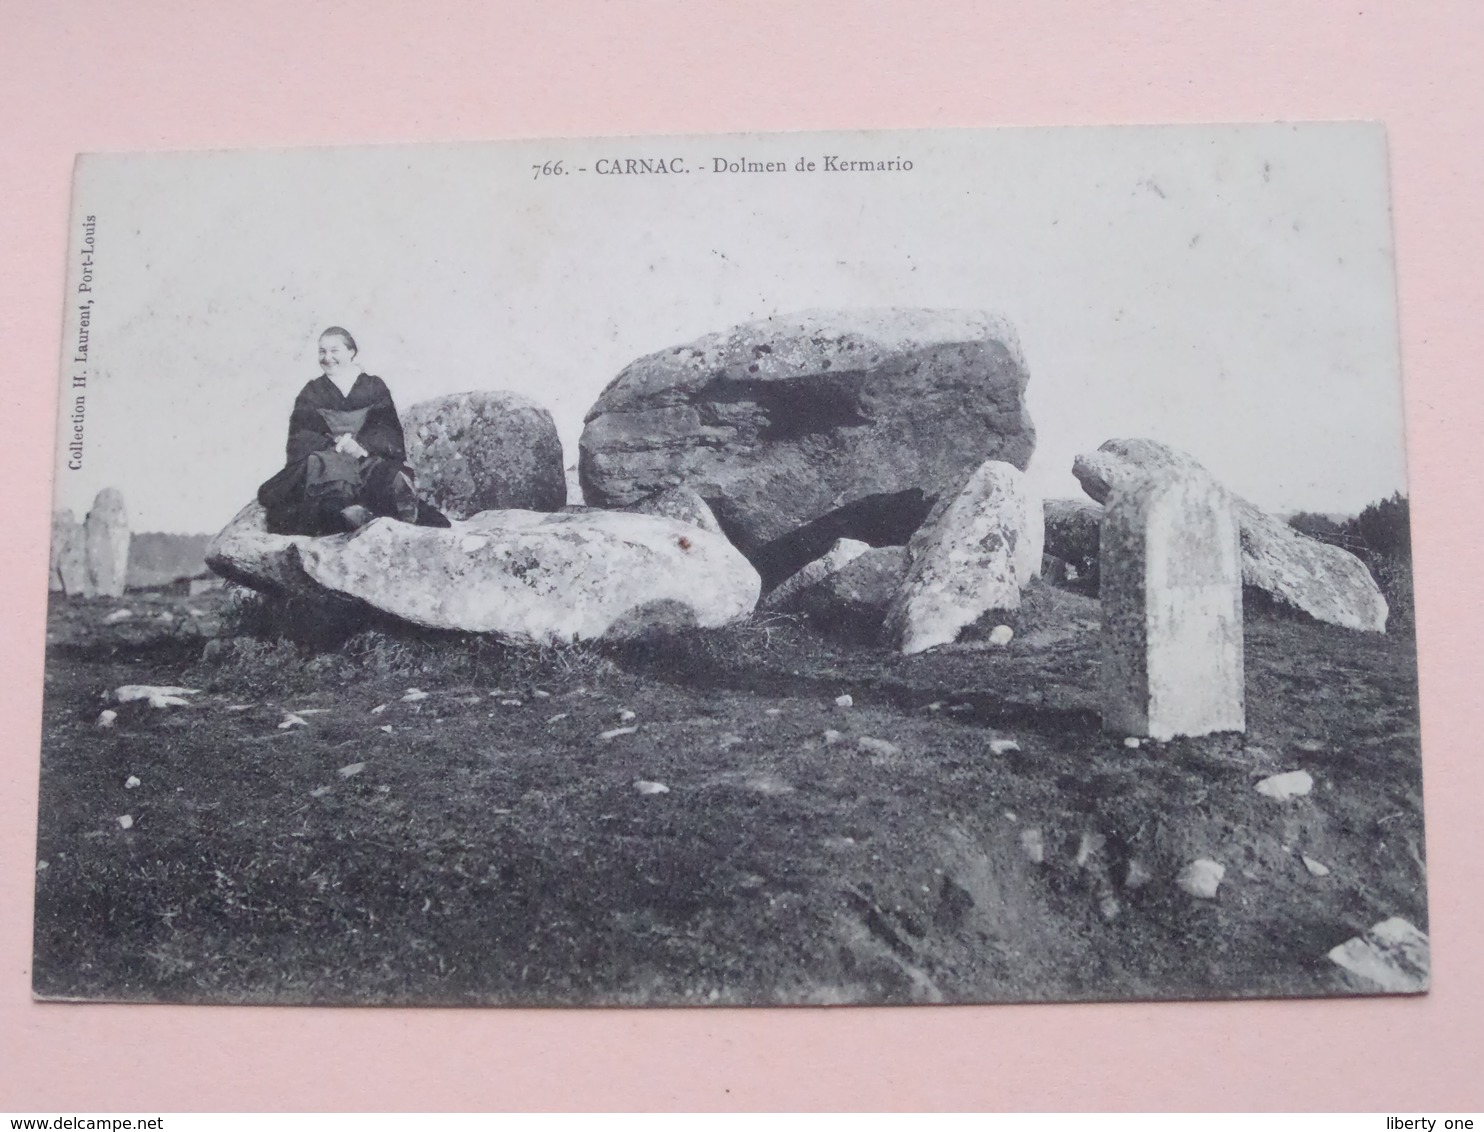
806 428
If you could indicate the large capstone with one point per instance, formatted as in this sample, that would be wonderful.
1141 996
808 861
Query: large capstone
1171 596
106 539
1294 570
484 451
524 576
803 429
962 561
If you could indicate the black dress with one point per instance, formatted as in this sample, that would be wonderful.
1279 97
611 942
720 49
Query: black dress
317 483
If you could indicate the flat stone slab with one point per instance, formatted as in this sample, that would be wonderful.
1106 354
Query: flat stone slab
523 576
1393 955
962 561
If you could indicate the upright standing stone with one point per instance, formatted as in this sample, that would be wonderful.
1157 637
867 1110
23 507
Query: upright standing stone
69 557
106 534
962 561
1326 582
1171 590
1032 542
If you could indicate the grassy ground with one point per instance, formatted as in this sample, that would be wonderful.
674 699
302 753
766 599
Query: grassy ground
484 844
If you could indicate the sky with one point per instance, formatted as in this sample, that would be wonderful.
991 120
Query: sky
1225 289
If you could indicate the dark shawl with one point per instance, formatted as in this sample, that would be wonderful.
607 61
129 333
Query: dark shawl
381 435
311 432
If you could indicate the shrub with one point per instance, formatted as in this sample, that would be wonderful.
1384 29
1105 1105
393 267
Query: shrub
1381 537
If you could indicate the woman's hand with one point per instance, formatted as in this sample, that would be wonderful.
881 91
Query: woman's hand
348 444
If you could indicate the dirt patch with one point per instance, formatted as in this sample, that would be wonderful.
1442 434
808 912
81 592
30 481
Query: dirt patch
987 843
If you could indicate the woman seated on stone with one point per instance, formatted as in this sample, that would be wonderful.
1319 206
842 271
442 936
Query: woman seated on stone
346 455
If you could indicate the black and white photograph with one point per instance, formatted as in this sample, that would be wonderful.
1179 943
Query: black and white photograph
862 568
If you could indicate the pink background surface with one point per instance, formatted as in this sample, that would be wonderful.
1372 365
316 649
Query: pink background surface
150 75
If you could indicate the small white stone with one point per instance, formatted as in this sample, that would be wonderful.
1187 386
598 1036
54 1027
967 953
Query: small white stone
1087 845
292 720
1138 874
118 615
615 732
540 695
1316 868
387 727
646 787
772 711
131 782
510 703
156 695
831 737
350 770
42 866
936 705
1033 844
1310 745
626 716
378 709
1290 784
877 746
126 822
844 701
127 693
413 695
1001 635
1132 743
319 791
1003 746
558 717
1201 878
107 717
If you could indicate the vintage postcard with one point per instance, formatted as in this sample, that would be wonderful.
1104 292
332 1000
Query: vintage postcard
903 567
